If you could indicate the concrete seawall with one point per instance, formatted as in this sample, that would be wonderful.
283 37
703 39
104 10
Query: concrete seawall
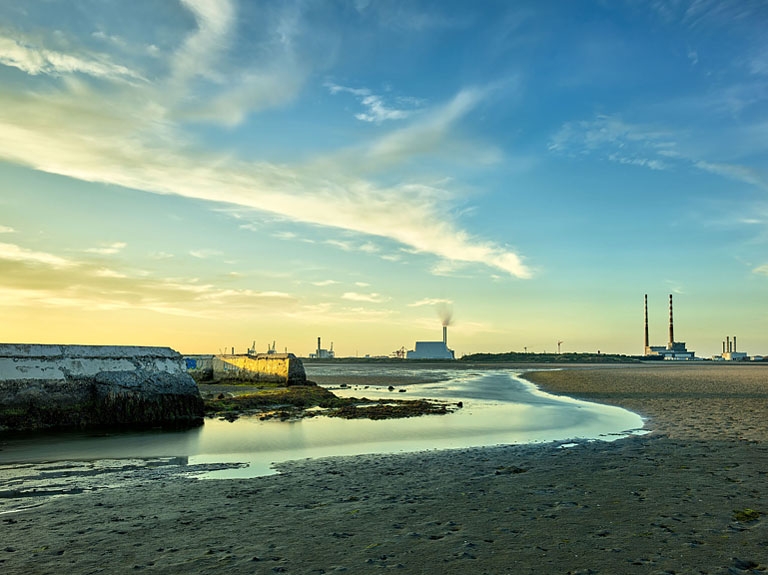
283 368
79 386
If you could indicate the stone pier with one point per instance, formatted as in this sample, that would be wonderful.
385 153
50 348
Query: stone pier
283 368
83 386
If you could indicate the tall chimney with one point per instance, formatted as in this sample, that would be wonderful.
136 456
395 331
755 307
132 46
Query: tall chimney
445 335
734 344
318 348
646 325
723 347
671 328
728 339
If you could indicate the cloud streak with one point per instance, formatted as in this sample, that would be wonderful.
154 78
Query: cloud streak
14 253
365 297
643 146
132 140
37 278
16 53
377 110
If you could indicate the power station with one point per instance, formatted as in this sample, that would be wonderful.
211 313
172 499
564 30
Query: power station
729 351
322 353
432 349
674 350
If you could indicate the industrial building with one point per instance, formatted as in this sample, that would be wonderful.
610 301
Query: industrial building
321 353
674 350
432 349
729 351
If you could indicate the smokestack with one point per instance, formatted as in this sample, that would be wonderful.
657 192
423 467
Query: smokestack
318 347
723 347
646 323
728 339
671 328
445 335
734 344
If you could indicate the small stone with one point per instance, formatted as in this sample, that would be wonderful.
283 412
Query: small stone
744 564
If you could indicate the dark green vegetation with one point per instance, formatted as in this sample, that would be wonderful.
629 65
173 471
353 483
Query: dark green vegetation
506 357
746 515
517 357
269 401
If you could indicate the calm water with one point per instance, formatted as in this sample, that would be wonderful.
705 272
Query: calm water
499 408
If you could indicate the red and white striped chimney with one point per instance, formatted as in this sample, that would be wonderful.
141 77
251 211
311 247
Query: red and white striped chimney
671 328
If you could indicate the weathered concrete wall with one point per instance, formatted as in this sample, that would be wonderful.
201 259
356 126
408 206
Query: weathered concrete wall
283 368
200 367
62 386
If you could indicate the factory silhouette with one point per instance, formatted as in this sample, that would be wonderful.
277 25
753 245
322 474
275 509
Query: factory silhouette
676 350
672 350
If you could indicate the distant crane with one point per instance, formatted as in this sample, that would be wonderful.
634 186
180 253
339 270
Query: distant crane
558 346
400 353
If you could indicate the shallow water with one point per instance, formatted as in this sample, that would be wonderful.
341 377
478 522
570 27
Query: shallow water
499 408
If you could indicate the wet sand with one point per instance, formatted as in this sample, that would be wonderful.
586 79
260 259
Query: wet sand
690 497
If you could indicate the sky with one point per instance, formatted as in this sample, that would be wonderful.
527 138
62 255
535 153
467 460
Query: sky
205 174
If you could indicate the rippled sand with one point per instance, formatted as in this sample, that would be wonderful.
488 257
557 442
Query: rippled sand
690 497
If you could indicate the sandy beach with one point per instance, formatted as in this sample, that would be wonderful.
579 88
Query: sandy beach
689 497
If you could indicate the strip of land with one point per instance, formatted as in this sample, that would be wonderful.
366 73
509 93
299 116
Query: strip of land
689 497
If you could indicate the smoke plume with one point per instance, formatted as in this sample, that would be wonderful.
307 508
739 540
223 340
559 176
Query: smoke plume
445 311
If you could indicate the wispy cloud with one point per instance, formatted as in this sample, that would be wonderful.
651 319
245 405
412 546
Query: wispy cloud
643 146
735 172
365 297
758 62
693 56
199 53
409 17
14 253
20 53
205 253
324 283
160 255
377 110
136 138
430 302
714 13
429 132
761 270
29 277
108 249
6 230
608 132
232 93
108 273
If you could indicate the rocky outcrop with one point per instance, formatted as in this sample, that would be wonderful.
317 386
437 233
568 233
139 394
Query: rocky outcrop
72 386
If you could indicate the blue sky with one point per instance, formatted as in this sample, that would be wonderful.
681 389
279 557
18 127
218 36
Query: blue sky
202 174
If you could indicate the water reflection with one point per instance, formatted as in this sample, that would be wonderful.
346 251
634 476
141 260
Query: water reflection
499 408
